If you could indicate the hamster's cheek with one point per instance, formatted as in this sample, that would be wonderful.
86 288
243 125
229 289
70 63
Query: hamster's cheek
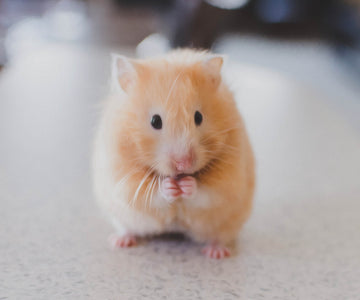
202 155
163 165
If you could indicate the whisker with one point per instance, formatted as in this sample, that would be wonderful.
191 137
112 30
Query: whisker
172 87
148 190
123 180
149 172
136 195
217 133
224 146
153 184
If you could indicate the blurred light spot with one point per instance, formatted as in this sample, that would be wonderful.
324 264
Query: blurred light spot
276 11
67 20
227 4
24 37
154 44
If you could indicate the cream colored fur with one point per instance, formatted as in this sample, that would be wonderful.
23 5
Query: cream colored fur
131 158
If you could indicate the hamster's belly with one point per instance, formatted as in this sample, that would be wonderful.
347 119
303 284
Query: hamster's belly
127 219
169 218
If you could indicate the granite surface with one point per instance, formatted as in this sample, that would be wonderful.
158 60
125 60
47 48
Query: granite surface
302 241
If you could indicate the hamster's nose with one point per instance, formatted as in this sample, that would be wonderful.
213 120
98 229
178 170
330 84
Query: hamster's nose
184 163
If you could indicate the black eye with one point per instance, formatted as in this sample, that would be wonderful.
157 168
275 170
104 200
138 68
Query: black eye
156 122
198 118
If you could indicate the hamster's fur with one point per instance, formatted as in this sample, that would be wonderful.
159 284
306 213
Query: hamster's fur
193 177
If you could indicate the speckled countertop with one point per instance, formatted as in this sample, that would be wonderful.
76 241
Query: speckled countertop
302 242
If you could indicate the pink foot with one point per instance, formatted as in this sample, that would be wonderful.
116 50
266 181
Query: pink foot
188 186
170 189
216 251
125 241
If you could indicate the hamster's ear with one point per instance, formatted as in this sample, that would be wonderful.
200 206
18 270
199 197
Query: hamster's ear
212 66
123 73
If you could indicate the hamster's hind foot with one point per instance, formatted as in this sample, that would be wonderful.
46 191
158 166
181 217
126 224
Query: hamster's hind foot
215 250
124 241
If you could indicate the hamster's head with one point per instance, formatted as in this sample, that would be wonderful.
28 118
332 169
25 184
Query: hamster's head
175 111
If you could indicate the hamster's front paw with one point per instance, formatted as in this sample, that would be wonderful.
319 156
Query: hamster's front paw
188 186
170 189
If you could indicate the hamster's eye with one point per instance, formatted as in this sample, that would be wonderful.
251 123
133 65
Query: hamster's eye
156 122
198 118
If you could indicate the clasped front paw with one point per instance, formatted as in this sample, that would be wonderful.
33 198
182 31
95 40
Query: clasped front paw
171 189
188 186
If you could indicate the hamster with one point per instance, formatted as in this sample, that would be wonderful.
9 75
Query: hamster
171 152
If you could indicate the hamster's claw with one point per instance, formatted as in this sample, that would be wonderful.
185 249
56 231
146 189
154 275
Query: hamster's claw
188 186
216 251
169 189
125 241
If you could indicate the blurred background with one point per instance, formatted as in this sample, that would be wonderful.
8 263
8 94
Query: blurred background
314 41
190 23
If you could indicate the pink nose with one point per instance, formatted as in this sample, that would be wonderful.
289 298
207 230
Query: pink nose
184 163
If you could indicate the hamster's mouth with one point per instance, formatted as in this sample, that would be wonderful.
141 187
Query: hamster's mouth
182 175
195 174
